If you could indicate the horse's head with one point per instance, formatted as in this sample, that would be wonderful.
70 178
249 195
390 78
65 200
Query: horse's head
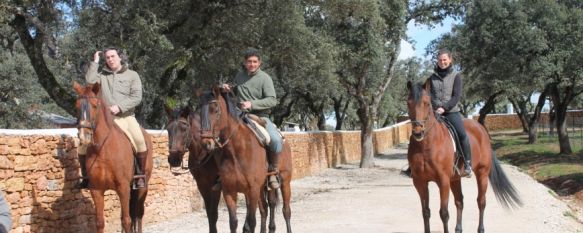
179 134
88 105
216 117
419 108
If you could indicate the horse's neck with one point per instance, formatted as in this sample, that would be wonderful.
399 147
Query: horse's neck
103 124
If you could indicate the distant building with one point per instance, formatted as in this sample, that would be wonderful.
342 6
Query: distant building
58 121
291 127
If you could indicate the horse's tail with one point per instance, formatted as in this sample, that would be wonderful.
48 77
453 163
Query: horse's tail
504 190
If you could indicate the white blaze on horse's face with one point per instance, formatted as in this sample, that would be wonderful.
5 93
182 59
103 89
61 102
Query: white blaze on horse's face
85 125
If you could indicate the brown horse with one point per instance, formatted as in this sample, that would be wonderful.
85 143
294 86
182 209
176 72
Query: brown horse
110 159
431 158
242 161
184 135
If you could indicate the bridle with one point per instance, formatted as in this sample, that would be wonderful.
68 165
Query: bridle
88 122
212 133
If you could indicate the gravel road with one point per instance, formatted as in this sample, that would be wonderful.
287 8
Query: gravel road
348 199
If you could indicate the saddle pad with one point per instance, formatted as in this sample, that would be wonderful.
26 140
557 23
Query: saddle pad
260 130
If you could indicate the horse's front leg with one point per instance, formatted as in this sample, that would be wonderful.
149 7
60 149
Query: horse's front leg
123 192
231 202
98 201
444 186
211 204
456 189
252 201
423 192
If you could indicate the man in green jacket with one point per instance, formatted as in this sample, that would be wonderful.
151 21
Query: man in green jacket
256 94
121 88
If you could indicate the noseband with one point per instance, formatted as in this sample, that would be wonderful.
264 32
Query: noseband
88 122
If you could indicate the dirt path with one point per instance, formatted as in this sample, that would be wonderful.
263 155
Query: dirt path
348 199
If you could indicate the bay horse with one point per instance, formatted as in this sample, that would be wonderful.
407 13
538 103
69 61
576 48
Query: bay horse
431 157
184 136
242 162
110 159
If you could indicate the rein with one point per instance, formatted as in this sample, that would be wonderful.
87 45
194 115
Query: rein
92 126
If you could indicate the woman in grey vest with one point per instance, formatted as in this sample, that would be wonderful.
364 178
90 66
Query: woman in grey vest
446 90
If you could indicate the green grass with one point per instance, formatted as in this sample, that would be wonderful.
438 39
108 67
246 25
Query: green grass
562 173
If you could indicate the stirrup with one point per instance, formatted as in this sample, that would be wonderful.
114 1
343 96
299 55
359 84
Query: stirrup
466 172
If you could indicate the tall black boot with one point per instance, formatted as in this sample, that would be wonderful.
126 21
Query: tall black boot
273 167
467 159
84 182
140 173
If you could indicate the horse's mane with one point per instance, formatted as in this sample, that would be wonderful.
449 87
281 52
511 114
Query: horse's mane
205 98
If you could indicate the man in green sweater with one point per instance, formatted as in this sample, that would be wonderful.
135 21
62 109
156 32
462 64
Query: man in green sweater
256 94
121 88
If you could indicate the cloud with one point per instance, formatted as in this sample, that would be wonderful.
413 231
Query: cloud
407 50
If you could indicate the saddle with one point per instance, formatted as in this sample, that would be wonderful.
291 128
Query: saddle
258 127
458 151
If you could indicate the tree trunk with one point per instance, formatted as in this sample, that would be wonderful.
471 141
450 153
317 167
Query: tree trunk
34 50
564 144
535 119
488 107
366 124
561 100
340 111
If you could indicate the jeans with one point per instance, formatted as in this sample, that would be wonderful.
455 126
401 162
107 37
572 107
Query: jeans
276 143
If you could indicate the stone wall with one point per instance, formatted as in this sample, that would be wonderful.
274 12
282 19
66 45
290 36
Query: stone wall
38 171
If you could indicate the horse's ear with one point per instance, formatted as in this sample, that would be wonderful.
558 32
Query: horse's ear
198 92
185 111
168 110
427 85
95 88
217 90
77 87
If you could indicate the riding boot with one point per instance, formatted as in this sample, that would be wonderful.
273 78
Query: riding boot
84 182
273 168
140 173
467 159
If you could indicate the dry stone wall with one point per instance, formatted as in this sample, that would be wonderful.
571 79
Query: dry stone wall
38 172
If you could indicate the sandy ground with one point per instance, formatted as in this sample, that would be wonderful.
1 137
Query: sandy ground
348 199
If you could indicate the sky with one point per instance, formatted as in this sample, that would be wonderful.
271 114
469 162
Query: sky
421 36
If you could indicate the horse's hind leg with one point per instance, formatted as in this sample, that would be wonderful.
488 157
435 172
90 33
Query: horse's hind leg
482 179
456 189
272 197
286 196
97 196
137 200
263 204
423 192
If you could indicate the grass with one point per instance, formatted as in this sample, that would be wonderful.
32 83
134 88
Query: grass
562 173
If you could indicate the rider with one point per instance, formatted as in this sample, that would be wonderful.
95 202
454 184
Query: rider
446 90
121 89
256 94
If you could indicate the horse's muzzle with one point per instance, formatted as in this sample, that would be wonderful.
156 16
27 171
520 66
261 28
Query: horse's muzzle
418 136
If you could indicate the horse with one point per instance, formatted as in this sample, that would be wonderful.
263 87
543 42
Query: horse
110 159
242 162
431 157
184 135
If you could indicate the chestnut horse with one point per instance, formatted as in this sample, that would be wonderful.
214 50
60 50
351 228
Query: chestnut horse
184 135
242 162
431 157
110 159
